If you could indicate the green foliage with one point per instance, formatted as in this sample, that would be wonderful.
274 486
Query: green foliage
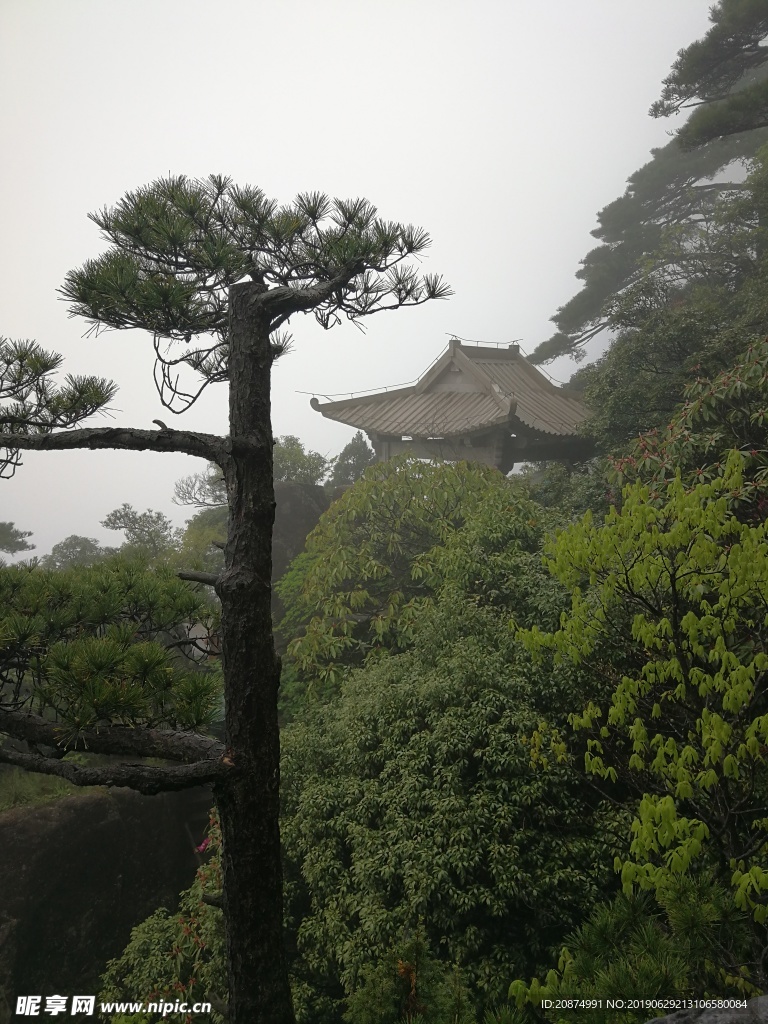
13 540
176 249
720 415
636 385
363 579
410 986
494 560
147 534
32 403
699 302
674 590
566 489
722 71
433 792
293 463
723 76
202 544
75 550
433 796
176 957
743 112
351 462
687 942
102 644
674 192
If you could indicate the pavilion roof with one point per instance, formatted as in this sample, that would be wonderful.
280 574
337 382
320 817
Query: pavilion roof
469 388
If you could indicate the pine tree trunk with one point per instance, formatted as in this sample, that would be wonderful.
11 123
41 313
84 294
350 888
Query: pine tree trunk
249 803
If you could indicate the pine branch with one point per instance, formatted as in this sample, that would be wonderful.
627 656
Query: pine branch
205 446
146 779
285 300
171 744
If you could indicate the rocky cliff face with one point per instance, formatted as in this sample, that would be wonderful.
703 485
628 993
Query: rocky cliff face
76 874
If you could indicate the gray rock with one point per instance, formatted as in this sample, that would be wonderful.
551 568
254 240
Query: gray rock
755 1012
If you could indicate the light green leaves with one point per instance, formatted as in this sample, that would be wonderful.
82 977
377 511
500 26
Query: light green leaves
669 600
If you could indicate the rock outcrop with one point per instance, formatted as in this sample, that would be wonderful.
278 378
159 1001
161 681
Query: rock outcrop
755 1012
78 873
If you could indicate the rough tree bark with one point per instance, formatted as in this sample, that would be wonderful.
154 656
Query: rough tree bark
249 801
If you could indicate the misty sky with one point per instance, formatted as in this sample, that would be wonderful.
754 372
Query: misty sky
501 126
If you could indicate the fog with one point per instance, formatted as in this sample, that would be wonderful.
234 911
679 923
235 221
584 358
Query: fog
501 127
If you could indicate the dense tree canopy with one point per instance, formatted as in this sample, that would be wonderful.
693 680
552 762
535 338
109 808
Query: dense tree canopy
112 644
676 588
722 75
149 533
293 463
450 787
364 577
685 941
411 794
75 550
351 462
412 799
719 416
690 316
480 747
673 191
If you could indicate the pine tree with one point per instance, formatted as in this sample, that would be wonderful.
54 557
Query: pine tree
722 75
13 540
213 261
351 462
724 78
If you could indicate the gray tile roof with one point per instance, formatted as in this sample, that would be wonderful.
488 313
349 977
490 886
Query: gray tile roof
539 404
467 389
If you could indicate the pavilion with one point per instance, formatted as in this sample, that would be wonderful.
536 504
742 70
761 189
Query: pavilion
476 402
